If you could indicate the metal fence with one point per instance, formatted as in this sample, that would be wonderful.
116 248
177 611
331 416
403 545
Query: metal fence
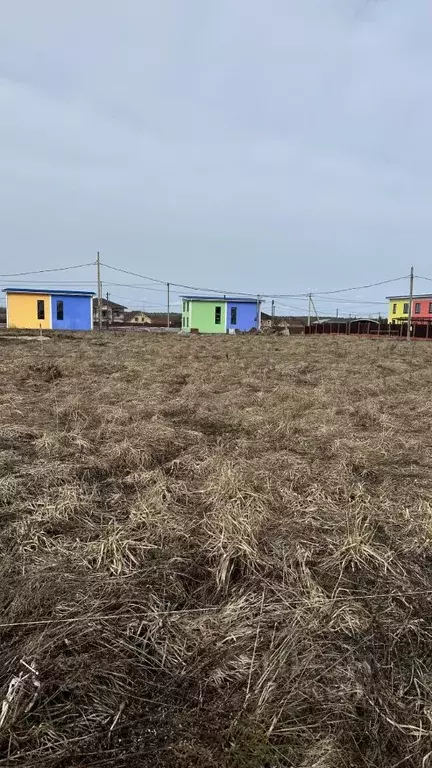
370 328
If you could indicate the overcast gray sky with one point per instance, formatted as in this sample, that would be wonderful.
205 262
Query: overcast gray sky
251 145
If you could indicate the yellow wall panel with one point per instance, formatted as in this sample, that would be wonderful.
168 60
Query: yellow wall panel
22 310
398 310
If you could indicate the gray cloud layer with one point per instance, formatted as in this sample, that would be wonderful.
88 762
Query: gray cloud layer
264 146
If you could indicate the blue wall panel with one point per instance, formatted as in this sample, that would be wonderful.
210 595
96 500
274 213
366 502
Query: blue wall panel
76 313
246 315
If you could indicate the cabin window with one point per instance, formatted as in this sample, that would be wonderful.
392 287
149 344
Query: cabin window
183 321
417 308
430 307
405 308
233 315
41 309
187 322
218 315
394 308
59 310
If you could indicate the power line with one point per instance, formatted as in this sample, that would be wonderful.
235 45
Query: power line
207 609
200 288
135 274
361 287
264 295
137 286
141 301
54 269
344 290
181 285
348 301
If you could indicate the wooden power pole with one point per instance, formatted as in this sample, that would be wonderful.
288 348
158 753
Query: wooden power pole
314 308
168 305
99 291
258 309
411 291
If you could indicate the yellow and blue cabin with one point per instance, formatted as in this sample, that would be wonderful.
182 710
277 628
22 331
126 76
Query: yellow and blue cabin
49 309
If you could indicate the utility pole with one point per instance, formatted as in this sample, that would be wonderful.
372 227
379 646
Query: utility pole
258 313
309 309
314 308
411 291
273 312
99 291
168 305
107 311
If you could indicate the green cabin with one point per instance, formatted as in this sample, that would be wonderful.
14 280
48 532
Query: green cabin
220 314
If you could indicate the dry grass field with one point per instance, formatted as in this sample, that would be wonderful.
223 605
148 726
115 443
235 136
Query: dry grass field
215 552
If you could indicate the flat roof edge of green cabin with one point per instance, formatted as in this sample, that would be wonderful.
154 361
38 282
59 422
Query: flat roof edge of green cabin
217 299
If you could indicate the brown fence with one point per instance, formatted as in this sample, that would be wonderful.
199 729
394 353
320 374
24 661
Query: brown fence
370 328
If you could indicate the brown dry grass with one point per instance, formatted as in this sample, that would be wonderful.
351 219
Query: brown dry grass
228 544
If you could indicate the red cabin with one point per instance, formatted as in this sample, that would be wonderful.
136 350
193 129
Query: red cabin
422 309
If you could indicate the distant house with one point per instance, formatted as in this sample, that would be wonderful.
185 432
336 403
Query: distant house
220 314
152 319
49 309
293 324
266 320
136 318
159 319
111 312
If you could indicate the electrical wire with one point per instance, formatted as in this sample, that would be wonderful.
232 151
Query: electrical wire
54 269
200 288
134 274
361 287
204 609
347 301
261 295
178 285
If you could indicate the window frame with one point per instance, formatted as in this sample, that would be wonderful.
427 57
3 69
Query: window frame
406 308
417 308
218 315
233 313
60 309
394 309
40 309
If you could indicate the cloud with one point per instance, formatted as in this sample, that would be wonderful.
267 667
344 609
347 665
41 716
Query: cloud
240 142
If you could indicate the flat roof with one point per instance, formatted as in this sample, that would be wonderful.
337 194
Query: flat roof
51 291
417 296
237 299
